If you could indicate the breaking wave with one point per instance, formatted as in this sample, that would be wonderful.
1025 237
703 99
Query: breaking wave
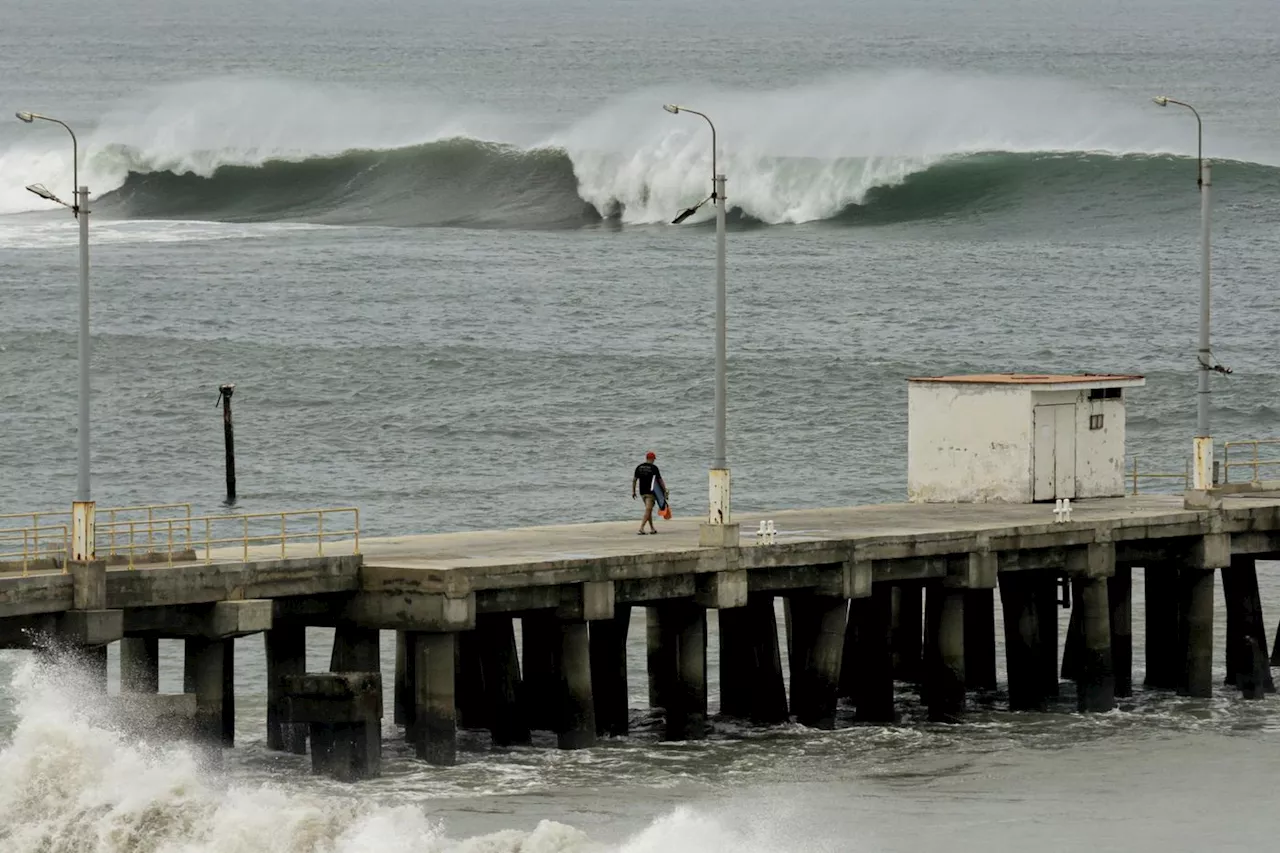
888 148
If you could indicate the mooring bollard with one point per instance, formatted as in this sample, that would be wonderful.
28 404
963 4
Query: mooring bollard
229 438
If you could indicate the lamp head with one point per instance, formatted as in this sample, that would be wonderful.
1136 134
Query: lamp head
42 191
25 116
671 108
1161 100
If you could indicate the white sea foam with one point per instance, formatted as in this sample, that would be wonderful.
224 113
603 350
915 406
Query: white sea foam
72 784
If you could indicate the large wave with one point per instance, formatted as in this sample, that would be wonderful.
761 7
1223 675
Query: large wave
873 148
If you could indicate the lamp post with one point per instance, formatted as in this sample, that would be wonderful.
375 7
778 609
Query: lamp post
718 529
82 508
1202 451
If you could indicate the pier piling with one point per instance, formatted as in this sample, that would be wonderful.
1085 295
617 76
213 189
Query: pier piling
980 639
576 728
908 632
286 652
946 679
1120 597
818 627
435 717
500 679
608 638
1095 680
228 439
140 665
685 622
204 675
1196 588
1020 598
873 617
1161 595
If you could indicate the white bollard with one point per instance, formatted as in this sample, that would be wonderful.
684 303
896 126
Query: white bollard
771 535
760 534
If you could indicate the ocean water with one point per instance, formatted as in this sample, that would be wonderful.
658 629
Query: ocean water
429 244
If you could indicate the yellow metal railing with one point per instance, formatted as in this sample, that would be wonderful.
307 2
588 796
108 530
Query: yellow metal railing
234 538
28 545
1254 462
1135 477
153 515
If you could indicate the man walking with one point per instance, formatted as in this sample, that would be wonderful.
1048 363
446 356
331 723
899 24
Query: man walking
648 477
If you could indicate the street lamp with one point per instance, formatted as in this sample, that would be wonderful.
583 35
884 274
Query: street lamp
718 529
82 508
1202 452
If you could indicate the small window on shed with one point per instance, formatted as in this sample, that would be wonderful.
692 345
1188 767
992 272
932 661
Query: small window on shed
1095 421
1105 393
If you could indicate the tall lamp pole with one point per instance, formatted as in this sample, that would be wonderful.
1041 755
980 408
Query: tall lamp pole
82 521
1202 452
718 530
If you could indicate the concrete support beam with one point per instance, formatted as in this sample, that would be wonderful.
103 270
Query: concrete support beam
1096 681
1162 605
240 618
979 639
721 590
204 675
286 652
852 579
576 728
435 719
355 649
817 633
89 628
540 684
608 639
88 584
139 665
586 601
1246 642
873 617
1196 588
500 668
751 683
947 676
908 632
1024 658
1120 597
344 714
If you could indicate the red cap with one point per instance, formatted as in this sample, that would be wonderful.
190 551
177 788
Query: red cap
651 455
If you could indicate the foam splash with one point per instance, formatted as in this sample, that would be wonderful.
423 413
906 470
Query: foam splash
72 784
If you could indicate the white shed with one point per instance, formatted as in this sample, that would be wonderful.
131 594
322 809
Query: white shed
1015 438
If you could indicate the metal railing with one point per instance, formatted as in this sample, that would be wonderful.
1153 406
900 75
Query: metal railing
233 538
35 546
1135 477
107 518
1254 462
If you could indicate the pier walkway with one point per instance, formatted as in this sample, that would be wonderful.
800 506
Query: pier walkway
873 595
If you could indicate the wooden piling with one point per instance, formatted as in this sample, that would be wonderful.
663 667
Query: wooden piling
1196 589
1120 597
818 626
608 638
140 665
229 439
1095 681
980 639
286 652
873 617
946 685
435 717
576 728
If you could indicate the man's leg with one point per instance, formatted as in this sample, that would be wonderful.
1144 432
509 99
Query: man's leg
648 512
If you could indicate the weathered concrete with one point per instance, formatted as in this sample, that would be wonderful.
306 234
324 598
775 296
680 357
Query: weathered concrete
286 652
751 682
344 715
1046 591
204 675
817 636
1095 681
500 670
608 639
1020 598
946 678
1162 597
540 682
873 617
435 727
1197 620
979 639
686 711
908 632
355 649
660 657
1120 598
140 665
576 727
1246 631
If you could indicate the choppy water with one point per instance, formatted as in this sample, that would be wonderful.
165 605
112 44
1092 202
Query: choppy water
427 242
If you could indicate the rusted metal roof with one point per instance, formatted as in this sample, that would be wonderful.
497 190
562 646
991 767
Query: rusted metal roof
1033 378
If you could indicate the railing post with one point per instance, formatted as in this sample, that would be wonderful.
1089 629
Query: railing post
320 534
131 524
1135 475
24 553
356 512
246 539
208 547
283 535
1257 478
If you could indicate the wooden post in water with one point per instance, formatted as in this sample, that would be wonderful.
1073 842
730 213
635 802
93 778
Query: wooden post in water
229 438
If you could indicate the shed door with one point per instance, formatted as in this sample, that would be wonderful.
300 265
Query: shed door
1053 464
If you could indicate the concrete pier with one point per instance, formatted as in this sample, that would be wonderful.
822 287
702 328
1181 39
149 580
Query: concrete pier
344 714
435 722
946 678
817 634
573 588
608 639
140 665
576 728
286 653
